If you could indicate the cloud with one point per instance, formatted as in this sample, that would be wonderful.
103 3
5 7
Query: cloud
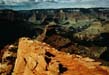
30 4
12 1
87 0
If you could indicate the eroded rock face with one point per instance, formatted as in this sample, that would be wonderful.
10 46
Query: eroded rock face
37 58
7 59
66 45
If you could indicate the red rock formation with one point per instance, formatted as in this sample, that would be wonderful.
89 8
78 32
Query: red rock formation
37 58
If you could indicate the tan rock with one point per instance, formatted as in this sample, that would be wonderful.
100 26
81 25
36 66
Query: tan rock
37 58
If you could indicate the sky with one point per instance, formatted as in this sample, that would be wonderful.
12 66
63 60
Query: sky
41 4
6 1
11 2
20 1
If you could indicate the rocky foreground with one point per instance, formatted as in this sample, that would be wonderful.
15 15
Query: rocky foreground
37 58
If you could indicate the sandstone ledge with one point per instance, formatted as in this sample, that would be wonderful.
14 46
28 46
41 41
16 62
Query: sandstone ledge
37 58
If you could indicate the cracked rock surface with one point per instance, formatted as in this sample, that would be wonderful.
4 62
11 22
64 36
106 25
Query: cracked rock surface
37 58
